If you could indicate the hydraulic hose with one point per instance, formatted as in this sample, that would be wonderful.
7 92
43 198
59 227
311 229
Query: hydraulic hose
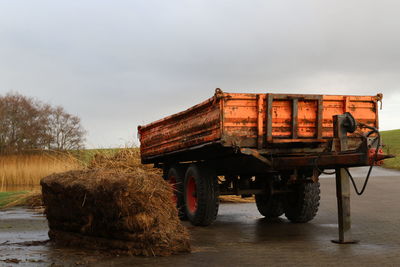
372 165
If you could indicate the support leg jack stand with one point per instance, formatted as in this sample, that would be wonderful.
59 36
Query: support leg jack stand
343 202
342 184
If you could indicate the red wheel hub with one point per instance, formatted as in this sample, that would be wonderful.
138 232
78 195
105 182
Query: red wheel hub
172 181
191 195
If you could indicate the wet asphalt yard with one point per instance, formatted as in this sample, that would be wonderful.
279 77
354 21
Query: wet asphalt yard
240 236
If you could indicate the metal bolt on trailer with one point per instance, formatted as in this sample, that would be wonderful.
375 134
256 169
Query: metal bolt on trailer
273 146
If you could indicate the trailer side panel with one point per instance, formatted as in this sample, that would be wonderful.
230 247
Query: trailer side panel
256 120
195 126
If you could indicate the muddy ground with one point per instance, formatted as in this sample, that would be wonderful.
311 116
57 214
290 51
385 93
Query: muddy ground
240 236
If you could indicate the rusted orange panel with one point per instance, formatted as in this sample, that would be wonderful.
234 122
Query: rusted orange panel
363 108
254 120
195 126
261 110
243 110
281 118
307 119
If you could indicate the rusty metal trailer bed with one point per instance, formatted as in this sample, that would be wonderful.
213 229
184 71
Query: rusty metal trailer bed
273 146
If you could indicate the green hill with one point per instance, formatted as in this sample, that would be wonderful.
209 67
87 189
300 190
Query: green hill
391 140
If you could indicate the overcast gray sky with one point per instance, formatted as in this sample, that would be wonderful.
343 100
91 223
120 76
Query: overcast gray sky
117 64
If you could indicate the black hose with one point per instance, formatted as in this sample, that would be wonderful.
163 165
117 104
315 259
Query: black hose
370 168
365 183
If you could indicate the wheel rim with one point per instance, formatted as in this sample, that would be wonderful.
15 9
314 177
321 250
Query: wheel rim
191 195
172 181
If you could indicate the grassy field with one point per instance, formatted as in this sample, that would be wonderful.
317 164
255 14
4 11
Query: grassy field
23 172
27 170
20 174
391 140
32 199
8 197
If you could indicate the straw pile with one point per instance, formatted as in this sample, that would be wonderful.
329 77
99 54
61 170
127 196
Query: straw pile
126 160
116 206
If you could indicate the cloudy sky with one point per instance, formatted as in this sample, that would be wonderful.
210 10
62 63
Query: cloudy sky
117 64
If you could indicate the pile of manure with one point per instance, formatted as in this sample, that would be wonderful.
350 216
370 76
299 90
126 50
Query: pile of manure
115 209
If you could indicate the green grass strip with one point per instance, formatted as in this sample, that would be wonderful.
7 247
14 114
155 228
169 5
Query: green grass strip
391 141
7 197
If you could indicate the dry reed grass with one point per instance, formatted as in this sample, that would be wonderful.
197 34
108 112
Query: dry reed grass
28 169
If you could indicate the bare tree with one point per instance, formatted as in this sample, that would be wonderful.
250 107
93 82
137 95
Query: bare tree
21 124
65 129
26 123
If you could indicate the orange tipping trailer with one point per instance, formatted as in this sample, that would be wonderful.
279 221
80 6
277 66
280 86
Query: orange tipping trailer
262 121
273 146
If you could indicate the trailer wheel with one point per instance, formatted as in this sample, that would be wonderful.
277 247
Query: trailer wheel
201 195
176 177
270 206
302 205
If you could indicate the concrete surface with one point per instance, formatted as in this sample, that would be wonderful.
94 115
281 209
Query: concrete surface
240 236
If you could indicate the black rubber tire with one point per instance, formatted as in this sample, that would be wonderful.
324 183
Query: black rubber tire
179 174
302 205
206 193
270 206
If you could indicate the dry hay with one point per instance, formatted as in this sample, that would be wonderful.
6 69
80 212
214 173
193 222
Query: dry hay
125 160
34 200
236 199
115 206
